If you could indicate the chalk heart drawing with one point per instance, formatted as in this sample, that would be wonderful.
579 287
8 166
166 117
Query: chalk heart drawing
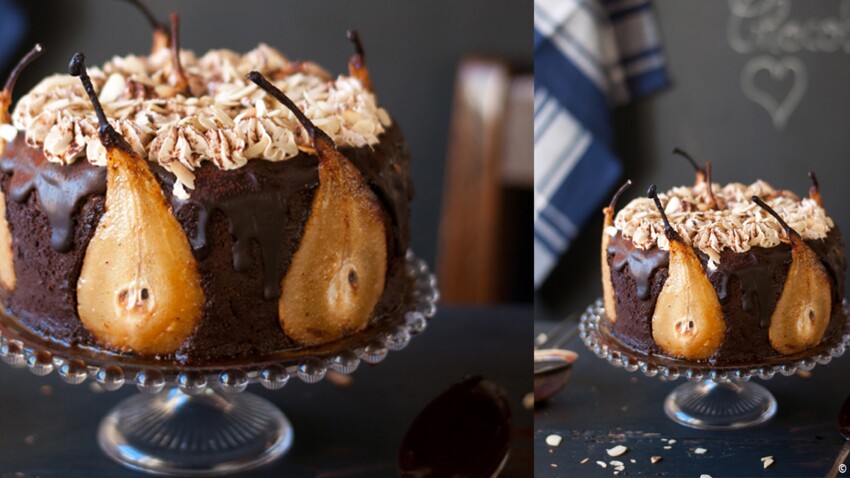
779 109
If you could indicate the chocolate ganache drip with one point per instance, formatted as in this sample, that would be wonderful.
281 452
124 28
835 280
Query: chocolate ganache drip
641 265
60 188
256 200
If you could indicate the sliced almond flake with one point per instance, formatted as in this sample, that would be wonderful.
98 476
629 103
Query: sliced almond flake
553 440
654 459
700 451
602 464
768 460
582 462
617 451
671 442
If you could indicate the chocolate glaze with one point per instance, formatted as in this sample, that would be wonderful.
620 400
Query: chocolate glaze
231 221
256 200
60 188
641 266
748 285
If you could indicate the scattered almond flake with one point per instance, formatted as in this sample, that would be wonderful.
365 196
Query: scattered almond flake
664 439
615 463
617 451
553 440
654 459
668 447
554 465
768 460
671 442
582 462
633 460
528 401
700 451
602 464
616 472
704 476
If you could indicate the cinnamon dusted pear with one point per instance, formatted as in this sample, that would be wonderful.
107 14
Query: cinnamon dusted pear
139 288
337 274
802 313
607 286
687 321
7 266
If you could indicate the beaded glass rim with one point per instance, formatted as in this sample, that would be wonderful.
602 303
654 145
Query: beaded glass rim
597 337
112 371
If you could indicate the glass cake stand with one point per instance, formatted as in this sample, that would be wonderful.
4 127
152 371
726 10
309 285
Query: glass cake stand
198 420
716 397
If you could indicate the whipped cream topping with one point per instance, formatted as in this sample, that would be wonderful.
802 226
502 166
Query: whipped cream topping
738 224
227 120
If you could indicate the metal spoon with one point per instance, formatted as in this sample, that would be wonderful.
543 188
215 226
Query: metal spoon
553 366
466 431
844 429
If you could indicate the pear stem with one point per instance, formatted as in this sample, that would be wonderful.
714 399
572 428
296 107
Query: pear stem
814 190
712 203
354 37
763 205
178 76
6 93
699 169
108 136
269 88
613 203
668 229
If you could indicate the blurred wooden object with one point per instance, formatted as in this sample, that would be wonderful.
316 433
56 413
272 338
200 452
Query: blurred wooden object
490 149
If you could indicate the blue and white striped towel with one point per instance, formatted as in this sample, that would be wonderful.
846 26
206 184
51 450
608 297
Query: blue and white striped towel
589 56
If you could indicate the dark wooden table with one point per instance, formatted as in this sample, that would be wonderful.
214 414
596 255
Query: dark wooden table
603 406
47 428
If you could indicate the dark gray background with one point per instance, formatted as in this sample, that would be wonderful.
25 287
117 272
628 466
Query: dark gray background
412 50
706 113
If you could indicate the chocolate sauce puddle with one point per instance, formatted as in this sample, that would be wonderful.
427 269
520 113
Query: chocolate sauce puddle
641 266
61 188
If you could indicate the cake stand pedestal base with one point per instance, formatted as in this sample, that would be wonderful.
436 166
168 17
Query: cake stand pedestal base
172 433
720 405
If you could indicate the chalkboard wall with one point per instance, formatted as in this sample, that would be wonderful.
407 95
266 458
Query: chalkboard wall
760 87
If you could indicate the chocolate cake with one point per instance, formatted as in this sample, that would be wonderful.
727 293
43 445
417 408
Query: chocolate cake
729 275
196 209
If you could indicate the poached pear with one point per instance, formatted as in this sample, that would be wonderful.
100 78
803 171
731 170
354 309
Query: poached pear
139 288
804 308
607 285
337 275
8 279
688 320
